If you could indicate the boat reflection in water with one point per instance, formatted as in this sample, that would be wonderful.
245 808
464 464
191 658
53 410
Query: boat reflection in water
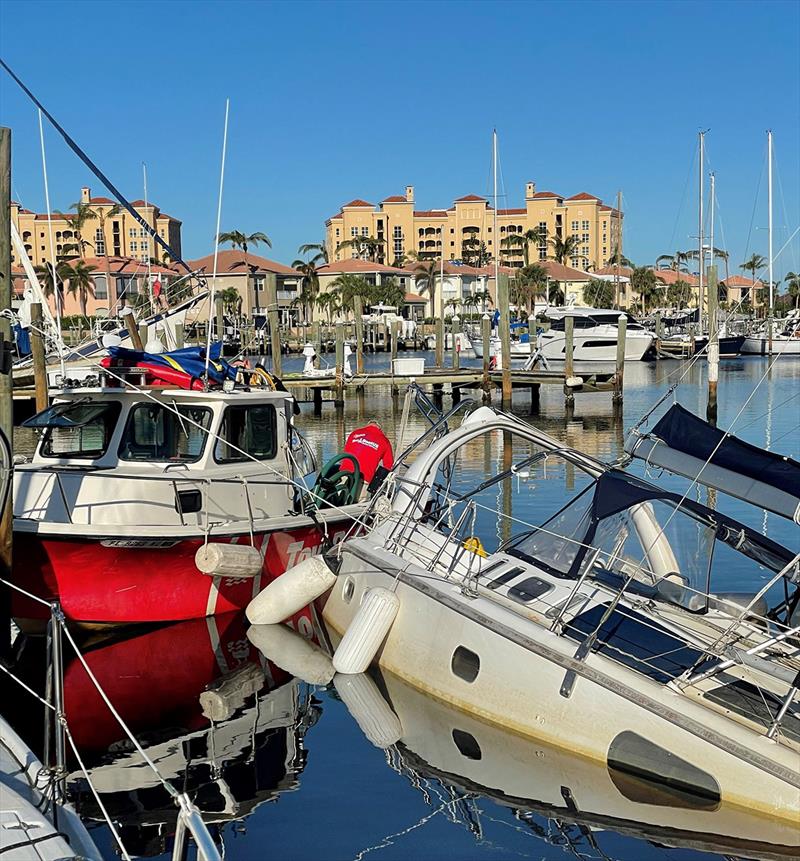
560 797
219 720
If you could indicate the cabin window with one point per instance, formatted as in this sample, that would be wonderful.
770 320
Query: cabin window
80 430
247 432
157 433
467 744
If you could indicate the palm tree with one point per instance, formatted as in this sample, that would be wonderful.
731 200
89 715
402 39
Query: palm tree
754 264
599 293
231 300
319 250
346 287
645 283
238 239
83 213
535 236
361 244
425 274
48 283
677 261
329 302
616 257
80 282
309 283
563 249
679 293
793 281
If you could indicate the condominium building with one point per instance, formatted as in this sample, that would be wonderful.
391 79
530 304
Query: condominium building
393 229
112 232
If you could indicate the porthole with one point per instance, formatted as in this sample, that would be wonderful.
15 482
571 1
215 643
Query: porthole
465 664
348 589
467 744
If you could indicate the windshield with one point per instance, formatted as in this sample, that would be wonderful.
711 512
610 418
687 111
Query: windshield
155 432
81 429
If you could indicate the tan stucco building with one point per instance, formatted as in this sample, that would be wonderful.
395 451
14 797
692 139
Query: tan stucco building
118 235
443 232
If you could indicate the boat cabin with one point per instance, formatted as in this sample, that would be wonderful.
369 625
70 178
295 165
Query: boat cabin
161 457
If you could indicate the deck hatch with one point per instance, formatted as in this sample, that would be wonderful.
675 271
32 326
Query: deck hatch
529 589
759 706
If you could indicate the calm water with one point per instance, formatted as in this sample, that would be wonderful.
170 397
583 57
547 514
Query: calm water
287 773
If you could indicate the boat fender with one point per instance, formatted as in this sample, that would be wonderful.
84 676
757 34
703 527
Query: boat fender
293 590
573 382
228 560
367 631
227 694
369 709
292 653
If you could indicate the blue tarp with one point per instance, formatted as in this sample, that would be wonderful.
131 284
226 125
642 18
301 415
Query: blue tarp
191 360
23 339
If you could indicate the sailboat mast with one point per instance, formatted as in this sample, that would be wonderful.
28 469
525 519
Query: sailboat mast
769 223
494 214
712 179
701 253
149 272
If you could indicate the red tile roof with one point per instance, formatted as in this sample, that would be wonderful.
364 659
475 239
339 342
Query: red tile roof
101 200
230 261
610 209
338 215
168 217
670 276
395 198
127 266
611 269
741 281
149 203
357 202
559 272
543 194
57 216
415 299
512 211
469 197
583 195
430 213
340 267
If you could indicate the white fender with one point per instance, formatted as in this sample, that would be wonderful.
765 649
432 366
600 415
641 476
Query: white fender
367 631
223 696
292 652
293 590
369 709
229 560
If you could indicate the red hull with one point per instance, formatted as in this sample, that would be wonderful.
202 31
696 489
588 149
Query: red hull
104 581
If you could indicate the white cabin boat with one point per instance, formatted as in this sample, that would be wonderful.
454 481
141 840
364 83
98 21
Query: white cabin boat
595 334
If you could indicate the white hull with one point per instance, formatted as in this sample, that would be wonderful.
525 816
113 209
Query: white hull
520 674
519 349
591 347
781 344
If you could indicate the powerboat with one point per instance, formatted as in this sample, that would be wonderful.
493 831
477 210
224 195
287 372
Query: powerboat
141 472
604 630
595 334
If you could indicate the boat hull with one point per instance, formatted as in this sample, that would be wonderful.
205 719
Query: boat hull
131 580
595 348
781 344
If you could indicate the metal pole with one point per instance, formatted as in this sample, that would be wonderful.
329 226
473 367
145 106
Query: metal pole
569 353
339 393
486 337
769 241
57 617
617 295
701 253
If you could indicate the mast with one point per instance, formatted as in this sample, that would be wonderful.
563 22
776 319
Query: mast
149 271
701 254
619 248
769 237
494 213
712 179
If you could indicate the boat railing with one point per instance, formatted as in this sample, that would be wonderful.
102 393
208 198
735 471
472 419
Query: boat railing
189 820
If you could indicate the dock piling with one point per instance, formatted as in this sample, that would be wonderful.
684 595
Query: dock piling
180 335
133 331
622 326
39 362
486 337
274 322
358 314
338 399
713 345
569 355
455 330
505 336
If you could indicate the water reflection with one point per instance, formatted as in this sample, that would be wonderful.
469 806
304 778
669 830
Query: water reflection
457 763
218 718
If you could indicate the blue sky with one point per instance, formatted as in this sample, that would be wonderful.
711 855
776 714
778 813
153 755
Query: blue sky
331 101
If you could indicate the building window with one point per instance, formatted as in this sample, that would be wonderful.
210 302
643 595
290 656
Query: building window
574 226
397 234
131 233
542 253
134 246
365 231
337 232
584 225
100 287
575 262
115 235
353 232
584 238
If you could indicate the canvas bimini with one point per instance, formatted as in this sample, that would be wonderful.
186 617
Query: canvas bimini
602 630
